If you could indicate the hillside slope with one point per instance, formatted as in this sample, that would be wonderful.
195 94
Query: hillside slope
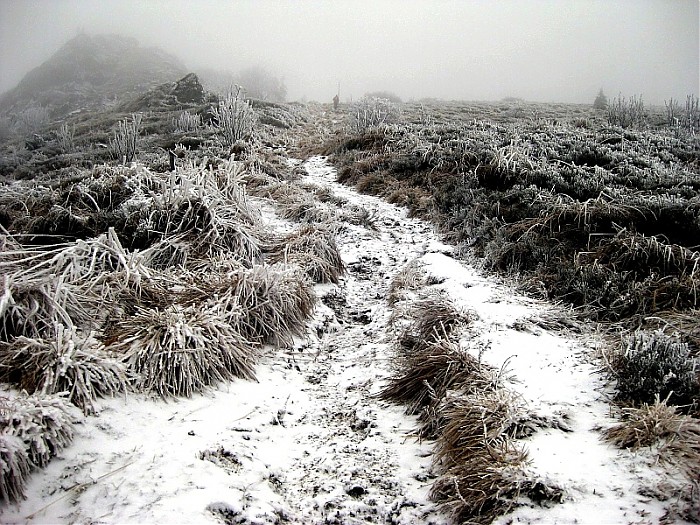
92 72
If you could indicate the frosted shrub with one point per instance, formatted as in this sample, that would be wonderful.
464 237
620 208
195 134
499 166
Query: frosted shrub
234 118
654 365
686 119
32 119
187 122
372 112
691 117
65 137
123 144
627 113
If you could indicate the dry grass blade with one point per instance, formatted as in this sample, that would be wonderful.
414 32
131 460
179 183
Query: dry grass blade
684 451
67 362
181 350
633 251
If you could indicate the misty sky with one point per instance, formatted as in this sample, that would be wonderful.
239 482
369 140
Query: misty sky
539 50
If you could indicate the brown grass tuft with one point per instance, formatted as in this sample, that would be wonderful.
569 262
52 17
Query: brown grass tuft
428 373
677 435
314 250
488 485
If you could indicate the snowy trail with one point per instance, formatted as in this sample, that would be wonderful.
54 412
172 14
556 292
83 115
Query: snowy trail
309 443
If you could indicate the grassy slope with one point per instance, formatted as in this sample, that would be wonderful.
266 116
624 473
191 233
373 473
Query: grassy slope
604 218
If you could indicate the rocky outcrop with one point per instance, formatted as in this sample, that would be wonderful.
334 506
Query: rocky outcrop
187 91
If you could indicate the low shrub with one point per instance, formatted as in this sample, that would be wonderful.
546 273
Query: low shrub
652 365
233 118
187 122
125 139
372 112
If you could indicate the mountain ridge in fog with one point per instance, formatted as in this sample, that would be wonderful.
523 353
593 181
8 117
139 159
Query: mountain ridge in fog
92 72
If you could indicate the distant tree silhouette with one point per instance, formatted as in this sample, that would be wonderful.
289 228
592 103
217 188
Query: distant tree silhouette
601 101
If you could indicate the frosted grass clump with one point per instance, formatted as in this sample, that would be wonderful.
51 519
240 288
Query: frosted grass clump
234 118
655 365
66 362
181 350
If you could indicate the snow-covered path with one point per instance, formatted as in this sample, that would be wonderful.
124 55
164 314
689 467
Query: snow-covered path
310 443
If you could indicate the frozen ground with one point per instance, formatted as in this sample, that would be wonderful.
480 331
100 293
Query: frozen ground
309 443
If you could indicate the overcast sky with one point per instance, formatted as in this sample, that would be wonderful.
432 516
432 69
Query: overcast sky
540 50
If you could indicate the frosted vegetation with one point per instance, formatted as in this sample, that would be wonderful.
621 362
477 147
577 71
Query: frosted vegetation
119 275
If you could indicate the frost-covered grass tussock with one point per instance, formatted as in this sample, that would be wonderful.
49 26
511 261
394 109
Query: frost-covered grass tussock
141 281
463 405
65 361
34 429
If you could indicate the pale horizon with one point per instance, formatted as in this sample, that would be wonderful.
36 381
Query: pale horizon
539 50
